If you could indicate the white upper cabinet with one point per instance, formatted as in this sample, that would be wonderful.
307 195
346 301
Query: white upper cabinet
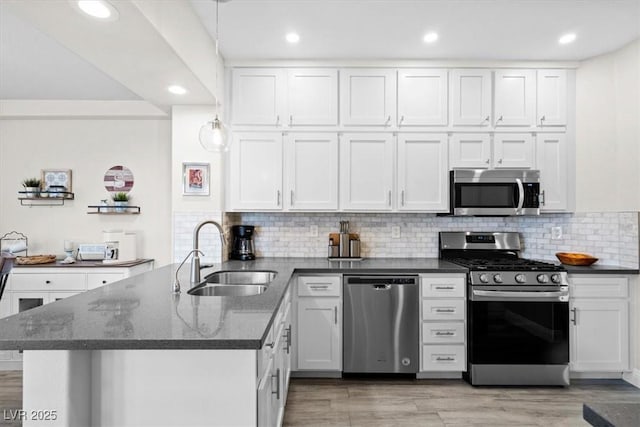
552 98
367 97
258 96
470 151
422 172
515 102
551 160
313 97
470 97
422 97
312 171
513 150
255 178
366 171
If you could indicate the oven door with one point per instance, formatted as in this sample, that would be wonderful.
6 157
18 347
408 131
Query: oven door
499 193
526 329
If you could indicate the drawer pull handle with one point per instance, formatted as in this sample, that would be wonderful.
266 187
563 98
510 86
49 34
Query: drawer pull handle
445 310
104 282
448 334
47 281
320 287
445 359
443 288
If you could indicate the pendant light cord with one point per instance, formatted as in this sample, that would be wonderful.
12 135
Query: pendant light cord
217 54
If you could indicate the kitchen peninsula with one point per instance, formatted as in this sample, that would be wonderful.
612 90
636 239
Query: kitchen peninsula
132 353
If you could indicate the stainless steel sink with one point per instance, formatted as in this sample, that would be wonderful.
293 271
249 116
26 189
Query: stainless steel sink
258 277
227 290
234 283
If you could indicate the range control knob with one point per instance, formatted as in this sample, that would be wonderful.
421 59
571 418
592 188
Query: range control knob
484 278
556 278
521 278
497 278
542 278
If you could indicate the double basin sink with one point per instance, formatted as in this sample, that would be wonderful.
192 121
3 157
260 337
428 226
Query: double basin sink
234 283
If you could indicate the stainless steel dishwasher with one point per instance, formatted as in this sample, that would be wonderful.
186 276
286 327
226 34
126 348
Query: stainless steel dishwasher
381 324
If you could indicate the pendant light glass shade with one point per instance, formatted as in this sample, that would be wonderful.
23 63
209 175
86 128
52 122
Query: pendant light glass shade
214 136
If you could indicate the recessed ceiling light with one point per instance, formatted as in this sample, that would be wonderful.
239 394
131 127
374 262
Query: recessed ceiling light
293 38
177 90
430 37
99 9
567 38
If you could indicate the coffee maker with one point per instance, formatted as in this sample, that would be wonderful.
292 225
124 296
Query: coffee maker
242 246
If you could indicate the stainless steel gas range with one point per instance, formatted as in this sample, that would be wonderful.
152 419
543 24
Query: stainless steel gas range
517 311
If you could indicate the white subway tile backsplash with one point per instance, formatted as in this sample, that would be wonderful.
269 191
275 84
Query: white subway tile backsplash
610 236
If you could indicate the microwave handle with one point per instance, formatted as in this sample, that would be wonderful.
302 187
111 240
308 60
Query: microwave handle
521 195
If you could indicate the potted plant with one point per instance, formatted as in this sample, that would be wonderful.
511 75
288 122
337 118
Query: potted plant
120 200
31 187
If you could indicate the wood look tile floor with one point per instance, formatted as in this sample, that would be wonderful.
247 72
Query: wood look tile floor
393 402
454 403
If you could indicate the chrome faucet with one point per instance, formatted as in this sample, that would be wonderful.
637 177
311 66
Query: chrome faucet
195 263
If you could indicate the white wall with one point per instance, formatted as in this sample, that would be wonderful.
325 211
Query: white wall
88 148
608 131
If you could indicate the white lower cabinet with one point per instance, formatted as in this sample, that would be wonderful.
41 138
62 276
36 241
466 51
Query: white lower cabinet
599 324
274 367
319 321
443 328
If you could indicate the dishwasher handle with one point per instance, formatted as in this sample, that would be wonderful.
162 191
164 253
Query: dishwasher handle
381 287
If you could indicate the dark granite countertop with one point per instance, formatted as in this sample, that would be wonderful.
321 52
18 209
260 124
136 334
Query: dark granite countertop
600 269
86 264
612 414
140 312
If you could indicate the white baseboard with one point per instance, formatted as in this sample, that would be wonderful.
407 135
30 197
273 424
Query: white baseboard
632 377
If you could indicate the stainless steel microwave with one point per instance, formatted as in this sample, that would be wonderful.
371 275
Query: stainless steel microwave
480 192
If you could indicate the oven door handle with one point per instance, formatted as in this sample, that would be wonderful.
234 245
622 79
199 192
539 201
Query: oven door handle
520 195
562 296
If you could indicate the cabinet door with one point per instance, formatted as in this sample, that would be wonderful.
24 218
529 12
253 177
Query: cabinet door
366 171
599 335
422 97
551 160
256 171
258 96
368 97
515 150
471 97
319 334
515 92
264 397
422 172
312 171
552 98
470 151
313 97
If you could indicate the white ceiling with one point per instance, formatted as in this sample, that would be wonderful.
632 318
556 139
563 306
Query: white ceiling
377 29
48 50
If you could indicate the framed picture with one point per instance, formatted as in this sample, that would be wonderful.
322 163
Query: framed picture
195 179
56 177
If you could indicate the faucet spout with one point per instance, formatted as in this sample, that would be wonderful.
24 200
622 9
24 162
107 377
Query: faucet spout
195 263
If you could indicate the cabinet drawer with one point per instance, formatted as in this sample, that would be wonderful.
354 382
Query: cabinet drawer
597 287
443 309
56 282
443 358
440 333
447 287
95 280
319 286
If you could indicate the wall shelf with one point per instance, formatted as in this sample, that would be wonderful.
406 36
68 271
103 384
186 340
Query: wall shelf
114 210
51 198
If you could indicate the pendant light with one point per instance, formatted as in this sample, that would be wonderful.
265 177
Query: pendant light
213 134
